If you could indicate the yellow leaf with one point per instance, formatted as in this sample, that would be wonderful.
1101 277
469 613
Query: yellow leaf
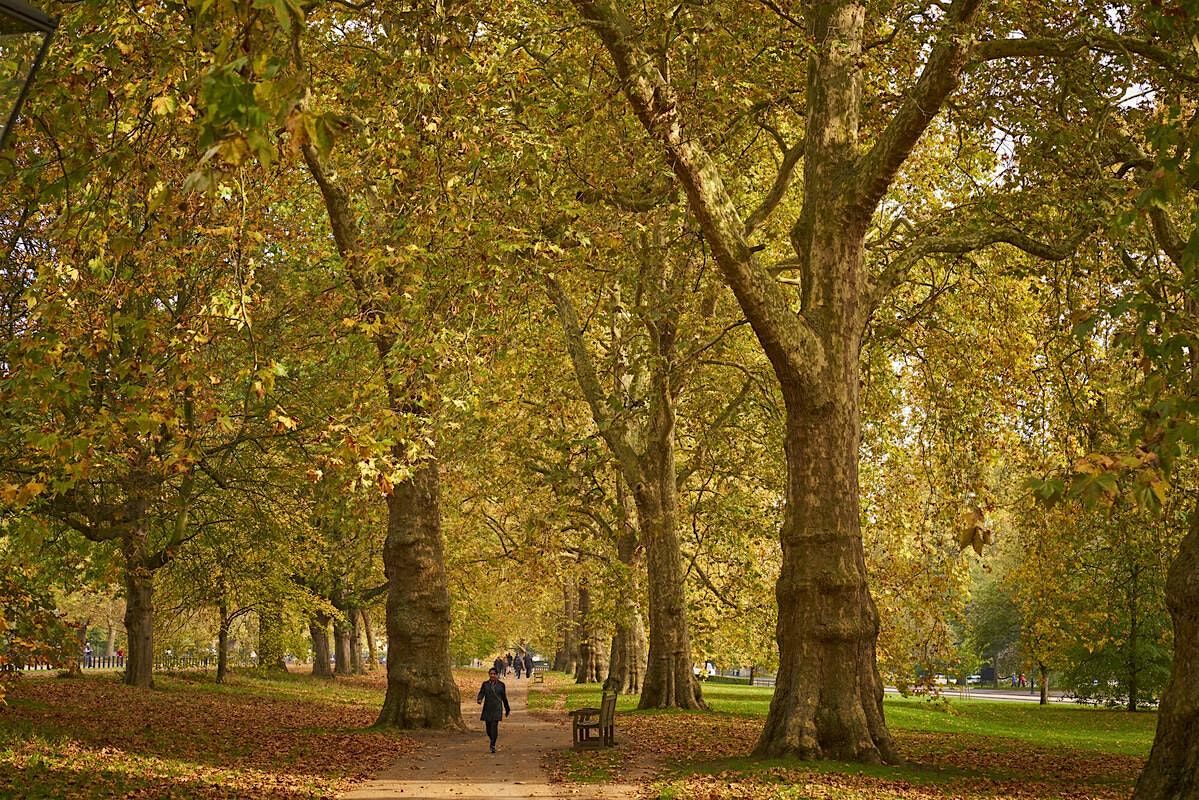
163 105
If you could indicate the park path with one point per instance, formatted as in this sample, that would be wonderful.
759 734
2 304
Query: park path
458 765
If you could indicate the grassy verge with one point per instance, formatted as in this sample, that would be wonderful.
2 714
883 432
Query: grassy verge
969 749
286 737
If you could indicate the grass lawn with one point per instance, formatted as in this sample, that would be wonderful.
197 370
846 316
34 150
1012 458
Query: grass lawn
960 749
287 737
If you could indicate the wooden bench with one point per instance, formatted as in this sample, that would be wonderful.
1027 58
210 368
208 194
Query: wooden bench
595 727
538 676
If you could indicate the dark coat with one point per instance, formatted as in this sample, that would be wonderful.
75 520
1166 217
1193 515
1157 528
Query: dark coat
528 664
494 698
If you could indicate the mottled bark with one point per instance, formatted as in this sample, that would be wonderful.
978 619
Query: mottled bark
318 629
669 679
828 701
585 668
626 665
1172 772
646 460
1044 670
110 642
421 692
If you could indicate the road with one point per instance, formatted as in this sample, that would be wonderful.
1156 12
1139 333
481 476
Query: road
1010 695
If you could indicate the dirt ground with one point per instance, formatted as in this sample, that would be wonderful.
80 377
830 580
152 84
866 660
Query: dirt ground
458 765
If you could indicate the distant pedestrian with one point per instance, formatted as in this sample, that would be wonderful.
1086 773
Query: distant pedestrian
528 665
494 697
87 654
1023 680
518 665
498 664
508 663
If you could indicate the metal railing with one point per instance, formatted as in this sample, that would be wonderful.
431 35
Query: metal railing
161 664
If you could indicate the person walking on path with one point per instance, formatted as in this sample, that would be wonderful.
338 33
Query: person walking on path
518 665
498 664
528 665
494 697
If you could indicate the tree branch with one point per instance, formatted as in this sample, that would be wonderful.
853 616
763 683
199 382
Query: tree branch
610 427
937 81
782 14
792 347
782 180
721 420
898 271
996 49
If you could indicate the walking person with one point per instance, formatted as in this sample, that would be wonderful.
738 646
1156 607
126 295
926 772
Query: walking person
507 664
498 664
528 665
518 665
494 698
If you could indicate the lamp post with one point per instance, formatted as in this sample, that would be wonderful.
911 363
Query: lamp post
25 34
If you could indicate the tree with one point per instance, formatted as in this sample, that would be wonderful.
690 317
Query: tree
643 446
854 147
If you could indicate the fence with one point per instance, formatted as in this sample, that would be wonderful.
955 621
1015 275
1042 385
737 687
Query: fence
163 664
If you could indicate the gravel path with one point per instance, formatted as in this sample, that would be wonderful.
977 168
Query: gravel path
458 765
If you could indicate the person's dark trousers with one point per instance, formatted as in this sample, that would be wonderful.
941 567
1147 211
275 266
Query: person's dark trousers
493 731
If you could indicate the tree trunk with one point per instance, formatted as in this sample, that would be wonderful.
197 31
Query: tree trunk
318 628
1044 670
421 692
341 645
372 652
1132 591
599 664
568 651
828 701
355 643
646 461
1172 772
222 644
585 666
669 679
110 642
270 638
75 662
139 623
626 665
